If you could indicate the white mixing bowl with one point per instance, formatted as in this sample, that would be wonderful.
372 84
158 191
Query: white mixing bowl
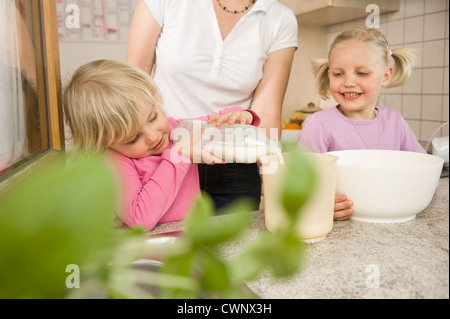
387 186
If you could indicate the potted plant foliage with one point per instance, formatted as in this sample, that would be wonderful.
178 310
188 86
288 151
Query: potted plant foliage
58 240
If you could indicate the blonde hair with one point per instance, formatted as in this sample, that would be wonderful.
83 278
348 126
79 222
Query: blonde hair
404 59
104 102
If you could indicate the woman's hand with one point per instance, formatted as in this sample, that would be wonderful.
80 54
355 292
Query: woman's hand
190 148
342 207
235 117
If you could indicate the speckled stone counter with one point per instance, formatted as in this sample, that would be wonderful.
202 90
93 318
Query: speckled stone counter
364 260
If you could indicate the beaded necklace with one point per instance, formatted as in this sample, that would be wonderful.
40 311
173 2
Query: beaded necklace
359 133
235 11
364 141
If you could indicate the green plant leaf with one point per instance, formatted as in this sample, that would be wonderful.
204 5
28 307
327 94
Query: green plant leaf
280 252
247 265
288 253
299 182
180 266
214 275
50 220
208 232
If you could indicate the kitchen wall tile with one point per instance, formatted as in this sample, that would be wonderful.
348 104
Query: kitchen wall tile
435 6
432 81
433 54
362 22
414 84
383 27
414 8
394 90
446 22
427 128
398 14
336 28
431 107
332 32
330 40
418 49
434 26
381 99
444 131
352 24
445 90
445 116
445 108
414 29
394 101
412 105
446 52
415 126
394 32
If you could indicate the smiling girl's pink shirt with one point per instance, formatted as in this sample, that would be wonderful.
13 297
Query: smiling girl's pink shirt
329 130
160 188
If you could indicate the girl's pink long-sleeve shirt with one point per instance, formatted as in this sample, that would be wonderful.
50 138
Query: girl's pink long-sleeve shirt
161 188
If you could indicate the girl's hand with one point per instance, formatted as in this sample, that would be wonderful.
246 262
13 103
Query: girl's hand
342 207
238 117
197 155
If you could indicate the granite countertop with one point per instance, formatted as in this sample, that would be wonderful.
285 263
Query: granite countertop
363 260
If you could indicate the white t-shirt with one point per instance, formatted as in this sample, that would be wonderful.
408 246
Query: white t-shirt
197 72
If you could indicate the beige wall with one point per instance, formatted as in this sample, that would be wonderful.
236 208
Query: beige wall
75 54
301 89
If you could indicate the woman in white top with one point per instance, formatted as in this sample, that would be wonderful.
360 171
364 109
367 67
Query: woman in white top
206 55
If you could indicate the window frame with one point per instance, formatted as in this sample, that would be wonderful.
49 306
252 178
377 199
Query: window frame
45 29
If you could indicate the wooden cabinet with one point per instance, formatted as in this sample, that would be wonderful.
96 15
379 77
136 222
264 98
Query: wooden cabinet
325 12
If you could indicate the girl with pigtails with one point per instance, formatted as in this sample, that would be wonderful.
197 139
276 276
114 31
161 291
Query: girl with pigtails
360 62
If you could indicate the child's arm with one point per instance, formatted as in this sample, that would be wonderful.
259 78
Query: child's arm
409 139
145 204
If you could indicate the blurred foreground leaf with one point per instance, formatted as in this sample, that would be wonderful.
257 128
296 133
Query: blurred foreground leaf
281 253
203 230
201 262
64 215
53 218
299 182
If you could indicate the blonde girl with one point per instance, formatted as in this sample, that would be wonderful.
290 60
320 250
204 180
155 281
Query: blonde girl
115 108
359 64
